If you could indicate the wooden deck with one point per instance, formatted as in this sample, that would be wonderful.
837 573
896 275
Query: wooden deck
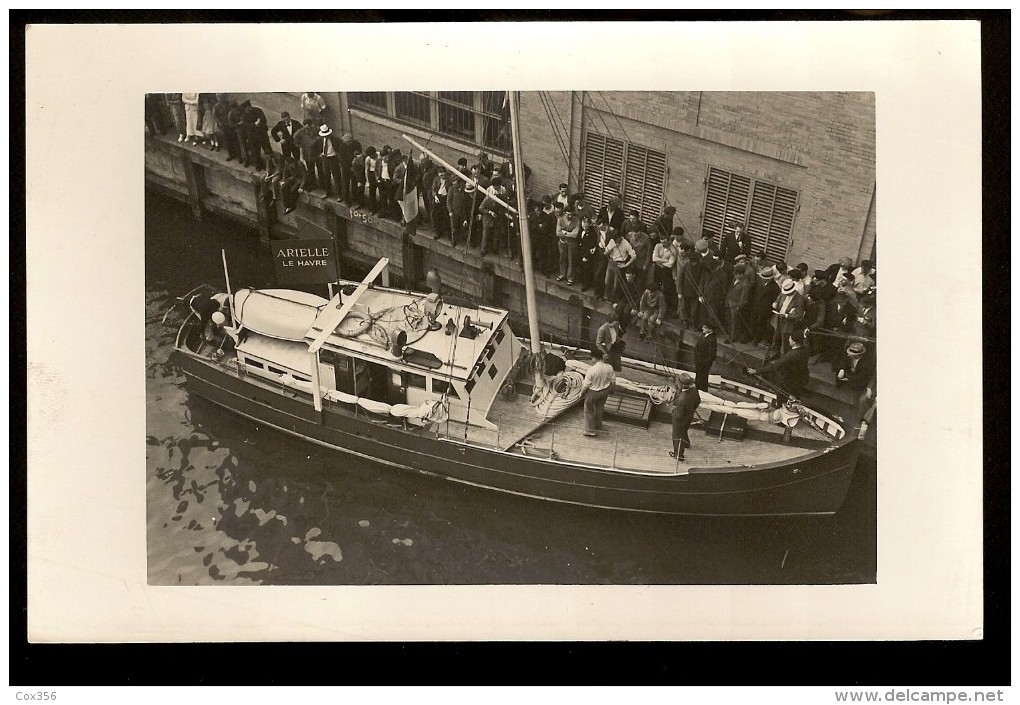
623 445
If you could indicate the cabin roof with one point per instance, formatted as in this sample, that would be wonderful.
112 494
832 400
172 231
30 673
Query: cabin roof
443 355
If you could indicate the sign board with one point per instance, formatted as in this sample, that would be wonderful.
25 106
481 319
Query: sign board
304 261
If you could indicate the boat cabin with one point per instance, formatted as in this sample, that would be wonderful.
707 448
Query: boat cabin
390 346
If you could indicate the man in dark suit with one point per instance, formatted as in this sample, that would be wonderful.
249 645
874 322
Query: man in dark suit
459 204
712 290
235 135
257 131
736 242
327 150
789 371
611 214
857 367
283 134
347 149
685 404
704 356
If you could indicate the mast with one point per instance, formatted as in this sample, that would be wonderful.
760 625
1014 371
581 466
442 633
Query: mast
522 218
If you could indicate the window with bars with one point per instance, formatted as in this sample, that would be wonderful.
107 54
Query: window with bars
613 167
374 101
766 209
479 117
413 107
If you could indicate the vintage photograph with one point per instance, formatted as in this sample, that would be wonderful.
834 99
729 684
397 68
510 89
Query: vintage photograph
574 343
543 337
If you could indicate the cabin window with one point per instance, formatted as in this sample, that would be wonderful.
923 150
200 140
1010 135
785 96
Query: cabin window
490 350
499 336
615 167
469 385
277 370
478 117
441 386
765 209
413 380
254 363
340 363
493 372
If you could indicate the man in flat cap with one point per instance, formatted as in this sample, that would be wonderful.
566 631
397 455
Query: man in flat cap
685 404
857 367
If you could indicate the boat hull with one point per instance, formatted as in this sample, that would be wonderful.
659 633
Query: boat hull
816 483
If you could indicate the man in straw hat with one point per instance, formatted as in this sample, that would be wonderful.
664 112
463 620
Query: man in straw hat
326 149
685 404
788 311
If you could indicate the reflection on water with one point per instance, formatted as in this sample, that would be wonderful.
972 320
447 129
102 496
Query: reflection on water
230 503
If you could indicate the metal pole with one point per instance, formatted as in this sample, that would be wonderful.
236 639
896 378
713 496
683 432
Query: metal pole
230 296
316 389
526 258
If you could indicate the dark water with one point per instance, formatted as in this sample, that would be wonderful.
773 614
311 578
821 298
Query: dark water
231 503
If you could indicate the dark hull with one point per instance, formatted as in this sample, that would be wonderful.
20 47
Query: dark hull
813 484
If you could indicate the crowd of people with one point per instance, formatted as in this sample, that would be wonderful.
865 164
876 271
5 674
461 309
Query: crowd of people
723 287
649 274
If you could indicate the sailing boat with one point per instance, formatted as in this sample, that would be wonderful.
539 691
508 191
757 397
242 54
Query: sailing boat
405 379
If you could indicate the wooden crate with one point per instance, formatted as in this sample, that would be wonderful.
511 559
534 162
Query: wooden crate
731 426
629 408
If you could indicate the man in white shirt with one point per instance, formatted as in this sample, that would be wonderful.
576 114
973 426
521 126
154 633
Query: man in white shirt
597 385
620 256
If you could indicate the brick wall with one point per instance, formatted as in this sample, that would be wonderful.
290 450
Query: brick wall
820 144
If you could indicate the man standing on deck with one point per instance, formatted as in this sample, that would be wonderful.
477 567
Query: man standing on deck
685 404
704 356
597 385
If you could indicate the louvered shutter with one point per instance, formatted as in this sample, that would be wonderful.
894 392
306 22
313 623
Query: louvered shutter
782 223
759 221
736 202
725 200
594 168
603 168
613 184
644 183
714 214
768 211
652 201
